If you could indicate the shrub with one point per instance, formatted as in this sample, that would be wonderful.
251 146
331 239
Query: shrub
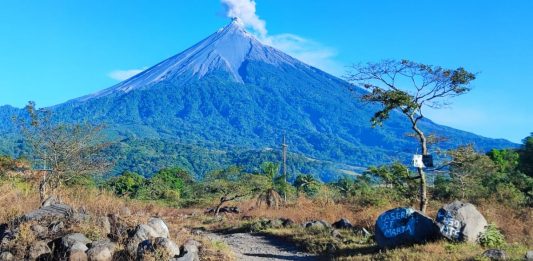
492 238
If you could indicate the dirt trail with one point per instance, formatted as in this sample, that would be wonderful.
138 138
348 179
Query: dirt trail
258 247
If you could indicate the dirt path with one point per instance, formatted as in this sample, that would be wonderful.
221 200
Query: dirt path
259 248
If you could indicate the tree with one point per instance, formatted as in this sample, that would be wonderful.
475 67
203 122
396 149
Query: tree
469 171
270 196
127 184
395 176
62 151
167 184
308 184
526 156
409 88
232 184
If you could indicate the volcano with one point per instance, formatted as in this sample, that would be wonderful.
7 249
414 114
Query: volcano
229 93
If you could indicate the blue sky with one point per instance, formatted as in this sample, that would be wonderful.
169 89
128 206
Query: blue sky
53 51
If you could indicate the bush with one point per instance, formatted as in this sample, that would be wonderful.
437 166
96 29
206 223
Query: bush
492 238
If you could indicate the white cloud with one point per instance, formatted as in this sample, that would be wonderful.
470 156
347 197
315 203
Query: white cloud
122 75
306 50
245 11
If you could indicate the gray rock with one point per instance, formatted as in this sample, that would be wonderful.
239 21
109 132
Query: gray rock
39 231
336 233
142 233
159 227
529 255
143 248
404 226
287 222
167 245
100 253
39 249
496 254
52 200
68 241
77 255
6 256
79 246
104 223
59 211
461 222
342 224
316 224
56 227
189 251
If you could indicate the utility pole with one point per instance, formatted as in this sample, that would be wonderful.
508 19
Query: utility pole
284 155
284 151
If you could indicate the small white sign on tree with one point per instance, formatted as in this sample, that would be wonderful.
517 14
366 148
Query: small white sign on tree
417 161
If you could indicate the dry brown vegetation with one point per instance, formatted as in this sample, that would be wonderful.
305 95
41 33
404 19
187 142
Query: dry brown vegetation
18 196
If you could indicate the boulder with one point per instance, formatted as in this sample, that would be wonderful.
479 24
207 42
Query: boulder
189 251
404 226
58 211
496 254
159 227
74 239
143 248
529 255
167 245
40 250
52 200
342 224
77 255
101 250
460 221
287 222
79 246
6 256
316 224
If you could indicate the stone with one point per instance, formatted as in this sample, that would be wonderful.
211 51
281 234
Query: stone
287 222
105 224
40 250
79 246
58 211
68 241
52 200
404 226
6 256
496 254
189 251
336 233
100 253
342 224
317 224
529 255
144 247
159 227
56 227
460 221
39 231
167 245
77 255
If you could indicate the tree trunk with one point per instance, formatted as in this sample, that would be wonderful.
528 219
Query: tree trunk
42 188
423 190
423 183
